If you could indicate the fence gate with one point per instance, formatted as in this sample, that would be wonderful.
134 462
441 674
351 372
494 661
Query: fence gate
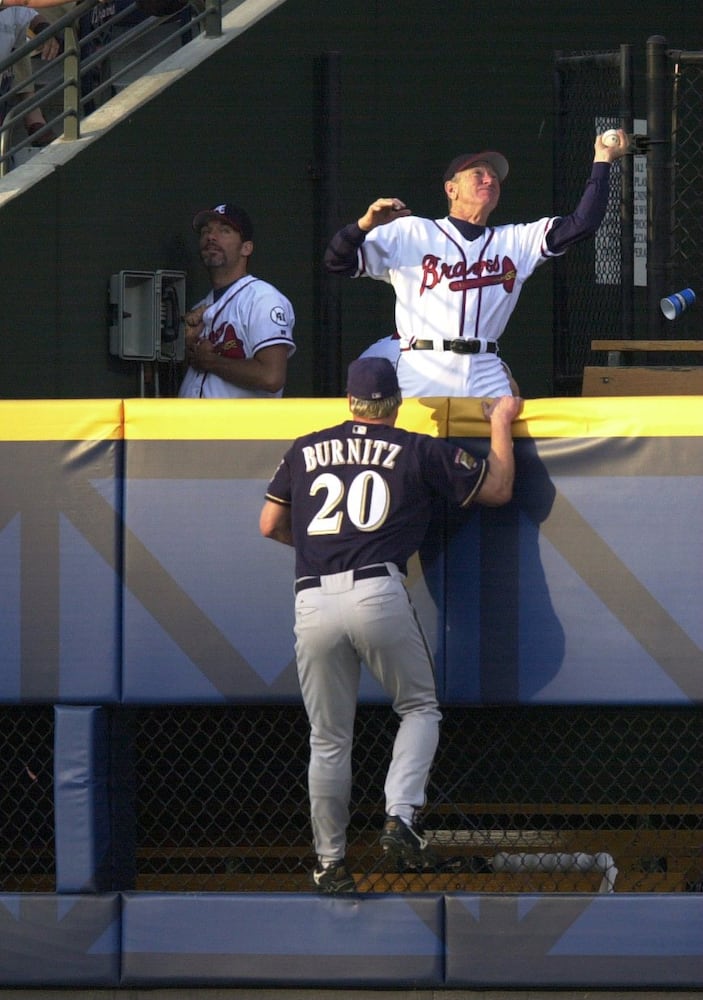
650 243
687 214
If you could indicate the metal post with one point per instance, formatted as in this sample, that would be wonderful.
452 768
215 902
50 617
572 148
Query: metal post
659 184
627 204
72 83
213 19
560 330
328 373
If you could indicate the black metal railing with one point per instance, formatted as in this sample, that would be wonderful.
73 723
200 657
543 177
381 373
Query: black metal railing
81 78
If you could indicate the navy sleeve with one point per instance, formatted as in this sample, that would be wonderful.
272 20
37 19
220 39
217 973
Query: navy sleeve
341 254
589 213
453 472
279 488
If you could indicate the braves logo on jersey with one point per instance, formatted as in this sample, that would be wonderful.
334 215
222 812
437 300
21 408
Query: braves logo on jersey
462 277
226 342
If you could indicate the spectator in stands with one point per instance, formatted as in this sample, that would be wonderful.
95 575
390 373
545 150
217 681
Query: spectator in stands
34 121
15 24
93 31
239 338
36 6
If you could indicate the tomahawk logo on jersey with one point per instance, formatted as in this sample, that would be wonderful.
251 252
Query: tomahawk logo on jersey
477 272
249 316
448 287
462 278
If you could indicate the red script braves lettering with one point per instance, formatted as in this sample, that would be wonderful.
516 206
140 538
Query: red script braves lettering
462 278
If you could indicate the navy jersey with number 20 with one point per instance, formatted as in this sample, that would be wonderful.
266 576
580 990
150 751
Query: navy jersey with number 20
363 493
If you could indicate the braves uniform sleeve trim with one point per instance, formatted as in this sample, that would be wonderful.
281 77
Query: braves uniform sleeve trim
274 342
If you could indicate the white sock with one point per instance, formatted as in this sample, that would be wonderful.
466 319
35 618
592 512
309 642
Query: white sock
406 813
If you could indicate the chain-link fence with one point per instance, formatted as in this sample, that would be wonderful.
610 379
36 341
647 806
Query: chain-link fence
591 95
27 861
552 799
687 139
546 799
660 217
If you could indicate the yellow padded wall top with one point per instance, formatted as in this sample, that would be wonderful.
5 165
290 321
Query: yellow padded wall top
622 416
285 419
61 419
260 419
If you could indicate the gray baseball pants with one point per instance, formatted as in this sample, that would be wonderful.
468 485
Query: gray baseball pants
337 625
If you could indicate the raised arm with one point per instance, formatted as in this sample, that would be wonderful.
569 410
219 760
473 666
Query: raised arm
590 211
341 254
497 487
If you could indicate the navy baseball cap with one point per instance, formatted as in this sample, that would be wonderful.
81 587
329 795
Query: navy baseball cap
372 378
235 217
466 160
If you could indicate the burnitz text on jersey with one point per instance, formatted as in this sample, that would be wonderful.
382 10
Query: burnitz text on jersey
351 451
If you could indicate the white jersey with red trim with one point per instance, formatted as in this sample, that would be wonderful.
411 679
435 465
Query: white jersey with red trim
449 287
250 315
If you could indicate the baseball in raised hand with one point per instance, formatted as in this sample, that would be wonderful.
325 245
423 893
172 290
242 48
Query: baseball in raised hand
611 145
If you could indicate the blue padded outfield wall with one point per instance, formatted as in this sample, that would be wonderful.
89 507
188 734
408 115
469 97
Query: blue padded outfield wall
132 573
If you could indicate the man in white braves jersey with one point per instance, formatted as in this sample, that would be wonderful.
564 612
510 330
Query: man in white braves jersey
239 338
457 279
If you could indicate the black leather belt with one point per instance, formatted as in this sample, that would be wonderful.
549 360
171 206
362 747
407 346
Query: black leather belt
460 345
365 573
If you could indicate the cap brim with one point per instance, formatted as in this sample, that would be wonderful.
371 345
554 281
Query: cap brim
499 164
495 159
209 216
201 218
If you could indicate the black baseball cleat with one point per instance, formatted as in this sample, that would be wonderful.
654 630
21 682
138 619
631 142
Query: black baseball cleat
406 844
333 879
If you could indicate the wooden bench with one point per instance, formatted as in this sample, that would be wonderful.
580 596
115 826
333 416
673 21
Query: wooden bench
616 379
655 848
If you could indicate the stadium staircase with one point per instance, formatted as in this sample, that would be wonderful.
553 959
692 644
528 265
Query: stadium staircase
134 58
